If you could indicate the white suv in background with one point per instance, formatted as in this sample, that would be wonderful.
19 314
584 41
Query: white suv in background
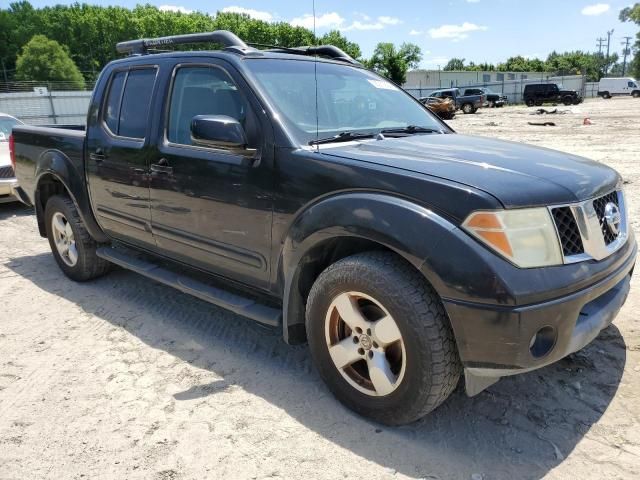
8 181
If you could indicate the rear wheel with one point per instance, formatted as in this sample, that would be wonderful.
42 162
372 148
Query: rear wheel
467 108
606 95
380 338
72 246
529 102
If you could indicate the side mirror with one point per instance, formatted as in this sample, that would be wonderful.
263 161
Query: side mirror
219 131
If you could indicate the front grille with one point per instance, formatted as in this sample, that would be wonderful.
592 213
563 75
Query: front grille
6 172
568 232
599 205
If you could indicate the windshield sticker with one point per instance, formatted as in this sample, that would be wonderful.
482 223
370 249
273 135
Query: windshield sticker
382 84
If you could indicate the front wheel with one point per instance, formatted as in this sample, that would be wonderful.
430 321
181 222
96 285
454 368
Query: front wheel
636 94
567 100
72 246
380 338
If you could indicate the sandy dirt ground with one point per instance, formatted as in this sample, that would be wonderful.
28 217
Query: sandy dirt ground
124 378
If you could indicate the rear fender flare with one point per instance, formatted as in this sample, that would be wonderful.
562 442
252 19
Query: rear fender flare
54 163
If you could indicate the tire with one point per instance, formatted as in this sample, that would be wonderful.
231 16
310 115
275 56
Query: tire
538 103
606 95
529 102
492 105
567 100
80 262
467 108
636 94
429 368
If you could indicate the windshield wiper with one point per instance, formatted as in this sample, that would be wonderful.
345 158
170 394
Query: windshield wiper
342 137
411 129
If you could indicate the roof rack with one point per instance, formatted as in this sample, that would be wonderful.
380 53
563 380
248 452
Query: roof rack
142 46
230 41
329 51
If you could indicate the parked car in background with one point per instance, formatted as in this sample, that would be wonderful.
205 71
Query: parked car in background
539 93
611 87
406 255
466 103
8 182
493 99
445 108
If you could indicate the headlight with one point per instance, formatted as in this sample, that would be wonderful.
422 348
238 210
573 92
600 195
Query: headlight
526 237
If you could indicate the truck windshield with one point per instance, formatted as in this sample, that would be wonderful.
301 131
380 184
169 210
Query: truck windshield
349 99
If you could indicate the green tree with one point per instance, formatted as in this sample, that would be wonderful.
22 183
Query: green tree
455 64
593 65
394 63
46 60
632 14
522 64
335 38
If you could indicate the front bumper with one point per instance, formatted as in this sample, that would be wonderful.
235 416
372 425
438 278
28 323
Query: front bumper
496 341
8 190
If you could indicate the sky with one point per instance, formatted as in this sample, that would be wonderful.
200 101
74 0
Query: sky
477 30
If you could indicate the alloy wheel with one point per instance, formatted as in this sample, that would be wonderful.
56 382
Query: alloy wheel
365 344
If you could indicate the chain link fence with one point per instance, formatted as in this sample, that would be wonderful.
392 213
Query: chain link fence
41 103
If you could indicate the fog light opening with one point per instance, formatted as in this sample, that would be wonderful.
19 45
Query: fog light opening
542 342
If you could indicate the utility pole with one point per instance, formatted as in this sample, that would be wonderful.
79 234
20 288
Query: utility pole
625 52
600 44
606 67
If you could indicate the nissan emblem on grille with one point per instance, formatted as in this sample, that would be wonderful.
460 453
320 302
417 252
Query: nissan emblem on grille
612 217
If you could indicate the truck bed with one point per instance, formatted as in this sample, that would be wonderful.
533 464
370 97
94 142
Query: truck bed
39 148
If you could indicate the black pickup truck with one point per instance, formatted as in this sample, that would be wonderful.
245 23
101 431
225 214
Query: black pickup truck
298 189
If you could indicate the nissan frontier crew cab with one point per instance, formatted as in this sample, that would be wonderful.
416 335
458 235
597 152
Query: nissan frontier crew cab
296 188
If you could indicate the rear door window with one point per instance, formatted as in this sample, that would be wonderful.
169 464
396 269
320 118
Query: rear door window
127 109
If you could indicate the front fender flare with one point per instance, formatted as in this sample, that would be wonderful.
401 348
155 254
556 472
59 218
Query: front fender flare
410 230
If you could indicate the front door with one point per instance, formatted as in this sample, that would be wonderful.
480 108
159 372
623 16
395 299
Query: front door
210 207
118 157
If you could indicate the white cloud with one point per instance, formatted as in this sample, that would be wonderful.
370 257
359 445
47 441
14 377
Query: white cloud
473 1
257 14
326 20
455 32
416 32
174 8
358 25
389 20
334 20
596 9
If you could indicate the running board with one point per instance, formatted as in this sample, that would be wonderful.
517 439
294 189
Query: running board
246 307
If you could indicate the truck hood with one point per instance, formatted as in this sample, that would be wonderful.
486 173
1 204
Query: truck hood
516 174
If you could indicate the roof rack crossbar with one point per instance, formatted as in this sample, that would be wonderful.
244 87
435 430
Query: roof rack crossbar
329 51
141 46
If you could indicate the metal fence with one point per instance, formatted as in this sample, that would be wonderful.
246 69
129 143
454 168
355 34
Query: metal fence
513 89
40 103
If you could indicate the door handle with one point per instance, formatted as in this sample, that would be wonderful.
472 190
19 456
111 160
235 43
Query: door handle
161 167
98 155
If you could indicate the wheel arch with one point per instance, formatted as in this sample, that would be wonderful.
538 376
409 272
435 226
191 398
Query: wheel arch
57 175
341 226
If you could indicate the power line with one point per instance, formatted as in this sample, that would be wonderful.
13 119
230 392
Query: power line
625 52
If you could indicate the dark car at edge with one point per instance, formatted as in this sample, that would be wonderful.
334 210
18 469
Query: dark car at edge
296 188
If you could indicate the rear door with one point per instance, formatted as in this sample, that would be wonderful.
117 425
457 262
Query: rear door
118 155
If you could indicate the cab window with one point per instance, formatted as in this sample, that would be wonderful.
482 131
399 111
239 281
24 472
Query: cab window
126 109
205 90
